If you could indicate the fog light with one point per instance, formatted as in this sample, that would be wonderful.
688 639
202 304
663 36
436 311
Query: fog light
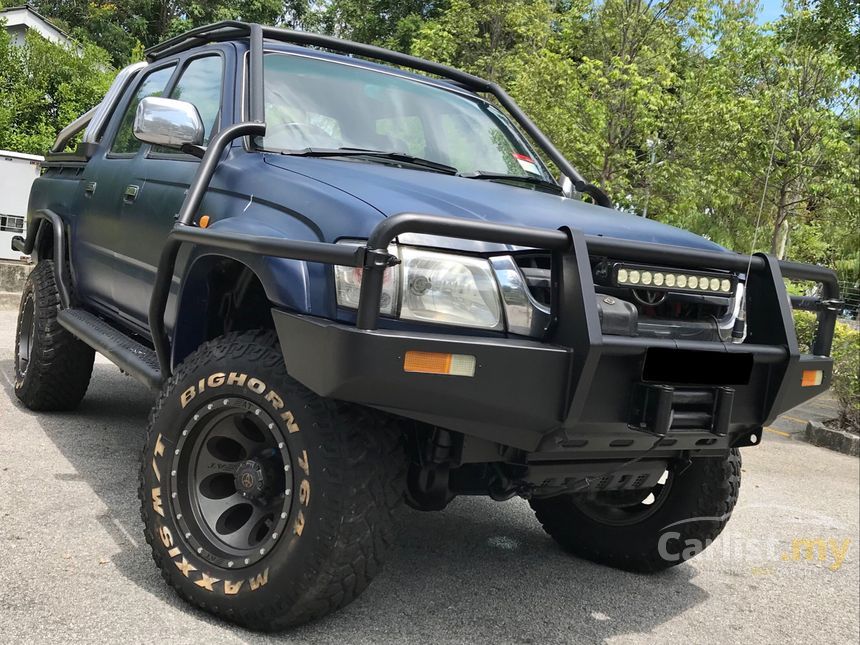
439 363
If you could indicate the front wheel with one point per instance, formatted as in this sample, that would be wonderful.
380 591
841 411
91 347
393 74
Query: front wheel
264 503
653 530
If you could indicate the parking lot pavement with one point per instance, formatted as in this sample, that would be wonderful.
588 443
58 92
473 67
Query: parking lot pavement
74 566
793 423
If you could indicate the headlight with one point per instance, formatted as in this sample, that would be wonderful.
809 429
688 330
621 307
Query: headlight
347 282
451 289
431 287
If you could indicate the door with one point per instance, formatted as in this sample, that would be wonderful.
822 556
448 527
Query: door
107 184
162 177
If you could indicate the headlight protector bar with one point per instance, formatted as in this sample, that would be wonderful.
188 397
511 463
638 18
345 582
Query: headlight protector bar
770 325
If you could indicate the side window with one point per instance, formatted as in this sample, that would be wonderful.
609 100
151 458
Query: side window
200 85
153 85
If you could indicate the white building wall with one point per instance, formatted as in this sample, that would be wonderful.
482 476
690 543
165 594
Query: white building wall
17 173
21 19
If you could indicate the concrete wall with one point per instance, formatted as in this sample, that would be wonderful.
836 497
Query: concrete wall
12 277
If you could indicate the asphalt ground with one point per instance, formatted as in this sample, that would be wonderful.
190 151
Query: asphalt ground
74 566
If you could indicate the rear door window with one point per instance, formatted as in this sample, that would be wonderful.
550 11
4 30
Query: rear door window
153 84
200 85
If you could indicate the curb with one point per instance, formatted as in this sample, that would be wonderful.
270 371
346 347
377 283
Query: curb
820 435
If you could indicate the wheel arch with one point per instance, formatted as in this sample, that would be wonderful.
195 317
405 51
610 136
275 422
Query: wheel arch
225 292
43 247
219 294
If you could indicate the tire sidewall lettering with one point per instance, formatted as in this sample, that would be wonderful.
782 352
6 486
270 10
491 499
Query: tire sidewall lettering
167 536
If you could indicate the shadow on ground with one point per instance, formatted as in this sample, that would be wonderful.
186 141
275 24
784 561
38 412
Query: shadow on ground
478 572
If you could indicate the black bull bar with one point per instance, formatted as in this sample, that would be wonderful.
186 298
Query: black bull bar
580 381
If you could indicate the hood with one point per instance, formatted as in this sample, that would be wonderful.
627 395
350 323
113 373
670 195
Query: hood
392 190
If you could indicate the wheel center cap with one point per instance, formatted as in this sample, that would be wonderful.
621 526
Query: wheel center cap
249 479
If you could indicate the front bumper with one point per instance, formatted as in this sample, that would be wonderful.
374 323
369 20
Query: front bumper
523 393
580 392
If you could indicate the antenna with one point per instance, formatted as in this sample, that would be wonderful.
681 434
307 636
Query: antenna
739 330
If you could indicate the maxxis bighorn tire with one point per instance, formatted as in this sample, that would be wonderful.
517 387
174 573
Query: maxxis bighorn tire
52 367
345 476
694 513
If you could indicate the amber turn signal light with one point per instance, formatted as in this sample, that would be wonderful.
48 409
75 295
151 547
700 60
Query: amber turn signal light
811 378
439 363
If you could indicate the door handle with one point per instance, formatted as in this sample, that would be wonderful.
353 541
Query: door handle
130 194
90 188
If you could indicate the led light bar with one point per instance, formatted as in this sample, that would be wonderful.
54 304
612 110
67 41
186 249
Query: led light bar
640 277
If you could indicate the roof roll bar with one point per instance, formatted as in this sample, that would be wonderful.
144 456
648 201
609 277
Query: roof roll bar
230 30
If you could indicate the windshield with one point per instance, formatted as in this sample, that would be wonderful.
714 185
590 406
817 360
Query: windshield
320 104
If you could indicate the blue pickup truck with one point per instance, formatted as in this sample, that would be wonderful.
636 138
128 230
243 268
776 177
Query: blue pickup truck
353 280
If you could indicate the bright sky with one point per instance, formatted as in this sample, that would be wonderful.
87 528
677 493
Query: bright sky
769 10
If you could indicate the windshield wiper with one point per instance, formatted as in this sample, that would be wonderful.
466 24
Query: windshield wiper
375 154
500 176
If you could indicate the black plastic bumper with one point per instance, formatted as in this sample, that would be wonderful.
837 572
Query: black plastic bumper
522 391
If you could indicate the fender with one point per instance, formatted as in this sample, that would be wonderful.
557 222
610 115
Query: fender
289 284
39 221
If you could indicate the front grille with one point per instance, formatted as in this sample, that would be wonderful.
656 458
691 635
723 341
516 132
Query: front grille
537 270
660 314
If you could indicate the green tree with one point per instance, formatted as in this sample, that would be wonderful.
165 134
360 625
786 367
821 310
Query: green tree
43 87
390 23
124 28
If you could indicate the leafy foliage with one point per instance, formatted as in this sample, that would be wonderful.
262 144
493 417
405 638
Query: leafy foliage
676 107
43 87
125 28
846 364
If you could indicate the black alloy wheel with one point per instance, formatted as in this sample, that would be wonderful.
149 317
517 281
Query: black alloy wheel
231 473
26 333
621 508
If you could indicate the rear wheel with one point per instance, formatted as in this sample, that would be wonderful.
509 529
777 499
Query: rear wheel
264 503
52 367
651 530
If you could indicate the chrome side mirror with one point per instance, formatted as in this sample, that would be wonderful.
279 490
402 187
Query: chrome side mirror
168 122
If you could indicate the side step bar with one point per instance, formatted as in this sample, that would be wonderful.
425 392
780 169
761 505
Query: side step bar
126 353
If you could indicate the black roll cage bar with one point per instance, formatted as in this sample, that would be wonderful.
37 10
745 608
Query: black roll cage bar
232 30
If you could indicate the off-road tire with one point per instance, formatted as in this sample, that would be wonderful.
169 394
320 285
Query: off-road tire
60 366
707 489
348 466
